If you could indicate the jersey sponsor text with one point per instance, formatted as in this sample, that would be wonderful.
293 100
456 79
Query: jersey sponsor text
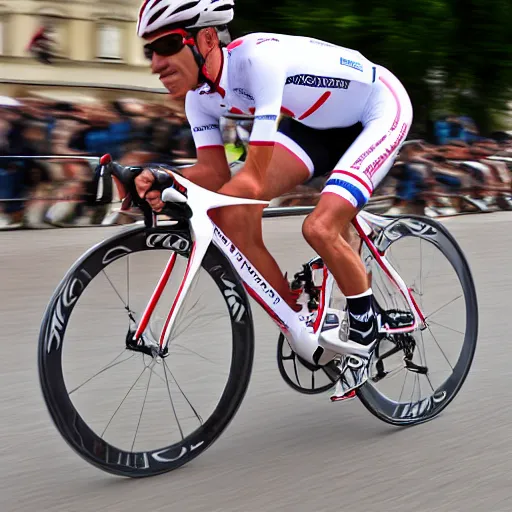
318 81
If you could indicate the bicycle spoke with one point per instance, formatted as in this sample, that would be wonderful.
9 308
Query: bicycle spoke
193 321
296 370
424 360
172 403
394 372
114 288
126 307
403 386
423 353
178 345
384 291
142 409
414 388
446 327
400 397
444 306
439 346
419 387
427 376
109 365
122 402
198 416
426 275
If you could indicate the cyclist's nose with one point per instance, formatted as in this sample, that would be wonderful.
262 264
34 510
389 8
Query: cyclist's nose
158 63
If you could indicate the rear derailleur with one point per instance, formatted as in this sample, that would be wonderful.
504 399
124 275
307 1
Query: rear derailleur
403 342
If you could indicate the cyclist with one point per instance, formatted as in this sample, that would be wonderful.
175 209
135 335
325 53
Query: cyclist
343 116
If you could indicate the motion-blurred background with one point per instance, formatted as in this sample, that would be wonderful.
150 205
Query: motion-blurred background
74 82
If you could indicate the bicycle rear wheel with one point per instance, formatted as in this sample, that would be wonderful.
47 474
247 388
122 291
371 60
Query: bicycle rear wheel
433 266
121 407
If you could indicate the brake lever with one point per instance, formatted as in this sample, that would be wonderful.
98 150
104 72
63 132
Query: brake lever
126 177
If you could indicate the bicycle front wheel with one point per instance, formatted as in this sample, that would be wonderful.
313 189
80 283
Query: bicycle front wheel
122 407
415 376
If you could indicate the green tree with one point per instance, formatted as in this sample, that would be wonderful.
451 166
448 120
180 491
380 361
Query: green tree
453 56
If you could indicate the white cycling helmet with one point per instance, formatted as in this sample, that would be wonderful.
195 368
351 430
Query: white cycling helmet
156 15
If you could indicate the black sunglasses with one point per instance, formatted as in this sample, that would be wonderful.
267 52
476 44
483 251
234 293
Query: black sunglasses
168 45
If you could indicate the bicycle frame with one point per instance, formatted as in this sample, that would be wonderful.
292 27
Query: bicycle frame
204 232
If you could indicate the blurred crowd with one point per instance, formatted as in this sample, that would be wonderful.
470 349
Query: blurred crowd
33 190
455 170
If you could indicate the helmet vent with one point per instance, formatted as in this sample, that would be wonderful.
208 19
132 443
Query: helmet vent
184 7
157 15
224 8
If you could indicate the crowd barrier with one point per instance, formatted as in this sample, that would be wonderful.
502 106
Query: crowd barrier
47 160
50 192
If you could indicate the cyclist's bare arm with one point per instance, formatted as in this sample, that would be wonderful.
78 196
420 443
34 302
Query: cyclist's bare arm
211 170
250 181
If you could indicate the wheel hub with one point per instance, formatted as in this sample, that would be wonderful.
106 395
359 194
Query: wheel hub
144 346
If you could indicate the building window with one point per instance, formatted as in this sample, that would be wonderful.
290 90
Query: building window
109 42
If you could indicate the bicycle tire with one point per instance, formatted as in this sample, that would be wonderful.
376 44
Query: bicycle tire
416 413
81 438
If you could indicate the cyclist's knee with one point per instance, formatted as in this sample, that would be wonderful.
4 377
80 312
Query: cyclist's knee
318 231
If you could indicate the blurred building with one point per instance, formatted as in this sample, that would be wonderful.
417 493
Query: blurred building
96 44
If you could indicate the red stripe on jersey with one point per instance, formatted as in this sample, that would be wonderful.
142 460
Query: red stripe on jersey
316 106
261 143
234 44
287 112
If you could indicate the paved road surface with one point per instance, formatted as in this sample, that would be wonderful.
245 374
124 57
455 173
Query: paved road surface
283 451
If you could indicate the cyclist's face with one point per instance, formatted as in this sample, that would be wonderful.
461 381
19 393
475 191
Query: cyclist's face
178 72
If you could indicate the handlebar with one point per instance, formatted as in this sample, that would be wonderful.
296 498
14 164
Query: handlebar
103 186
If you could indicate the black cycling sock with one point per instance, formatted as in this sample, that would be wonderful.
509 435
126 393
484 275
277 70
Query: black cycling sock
362 321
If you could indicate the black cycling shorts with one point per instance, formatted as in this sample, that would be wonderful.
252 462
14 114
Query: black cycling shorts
324 147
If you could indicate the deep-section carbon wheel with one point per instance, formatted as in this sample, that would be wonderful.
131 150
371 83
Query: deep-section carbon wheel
414 377
124 408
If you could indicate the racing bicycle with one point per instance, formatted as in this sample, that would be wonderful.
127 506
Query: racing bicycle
146 346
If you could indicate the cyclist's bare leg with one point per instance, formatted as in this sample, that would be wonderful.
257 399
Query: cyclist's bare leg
284 173
242 224
326 230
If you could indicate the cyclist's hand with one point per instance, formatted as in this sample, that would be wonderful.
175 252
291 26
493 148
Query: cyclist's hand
143 183
154 198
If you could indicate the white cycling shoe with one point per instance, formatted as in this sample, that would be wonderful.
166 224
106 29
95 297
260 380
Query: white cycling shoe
354 373
353 366
352 363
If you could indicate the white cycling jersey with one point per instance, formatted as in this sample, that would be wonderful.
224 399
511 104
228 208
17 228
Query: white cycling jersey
321 86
